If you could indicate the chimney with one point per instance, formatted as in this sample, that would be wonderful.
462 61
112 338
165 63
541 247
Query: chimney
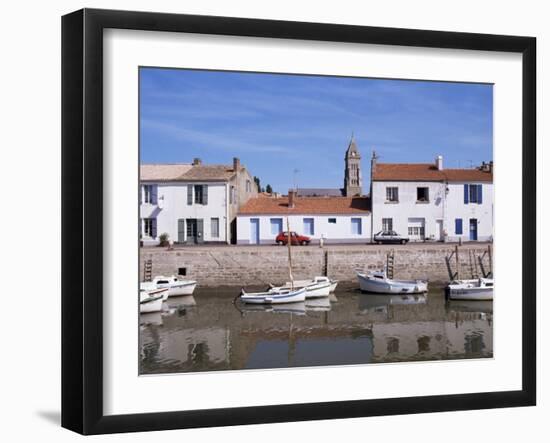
291 197
373 161
486 167
236 164
197 161
439 162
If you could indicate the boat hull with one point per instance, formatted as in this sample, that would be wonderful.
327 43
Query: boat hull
387 286
150 304
480 289
274 297
470 294
151 290
177 289
313 288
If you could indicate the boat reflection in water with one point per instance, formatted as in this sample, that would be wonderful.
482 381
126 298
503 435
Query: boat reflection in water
378 302
348 328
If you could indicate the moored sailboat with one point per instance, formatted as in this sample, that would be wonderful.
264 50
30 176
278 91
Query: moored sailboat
317 287
280 294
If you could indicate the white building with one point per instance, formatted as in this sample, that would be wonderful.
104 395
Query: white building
192 203
427 201
335 219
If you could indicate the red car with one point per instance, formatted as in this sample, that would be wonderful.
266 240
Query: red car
296 239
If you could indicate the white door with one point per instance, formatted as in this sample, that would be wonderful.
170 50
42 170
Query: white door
255 231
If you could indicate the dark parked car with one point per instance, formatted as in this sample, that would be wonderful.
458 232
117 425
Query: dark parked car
390 237
296 239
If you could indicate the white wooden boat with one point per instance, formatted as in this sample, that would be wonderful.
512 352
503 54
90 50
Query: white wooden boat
274 297
152 290
317 287
475 289
176 285
379 283
281 294
150 303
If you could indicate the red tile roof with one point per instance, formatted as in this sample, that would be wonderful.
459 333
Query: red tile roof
307 205
427 172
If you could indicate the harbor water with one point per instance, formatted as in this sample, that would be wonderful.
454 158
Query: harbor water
210 331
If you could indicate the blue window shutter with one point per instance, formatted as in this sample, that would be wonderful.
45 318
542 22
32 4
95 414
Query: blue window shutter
154 227
154 199
465 194
189 194
458 226
479 195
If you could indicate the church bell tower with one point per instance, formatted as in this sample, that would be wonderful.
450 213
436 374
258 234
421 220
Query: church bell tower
353 184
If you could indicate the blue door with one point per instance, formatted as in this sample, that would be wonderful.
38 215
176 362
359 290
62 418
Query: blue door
309 228
255 231
276 226
473 229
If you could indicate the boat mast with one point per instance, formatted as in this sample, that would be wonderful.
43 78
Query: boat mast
289 241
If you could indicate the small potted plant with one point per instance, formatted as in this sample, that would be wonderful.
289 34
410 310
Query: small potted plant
163 238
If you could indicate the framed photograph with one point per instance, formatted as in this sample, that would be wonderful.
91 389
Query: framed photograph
269 221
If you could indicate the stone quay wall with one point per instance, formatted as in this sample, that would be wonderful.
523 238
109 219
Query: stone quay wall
232 265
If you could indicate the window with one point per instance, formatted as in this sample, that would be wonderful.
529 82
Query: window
276 225
309 227
248 186
392 194
150 227
150 194
458 226
422 194
201 194
473 194
387 224
214 227
356 226
232 195
332 221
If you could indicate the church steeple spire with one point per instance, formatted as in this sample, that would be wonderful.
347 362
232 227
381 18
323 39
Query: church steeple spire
352 179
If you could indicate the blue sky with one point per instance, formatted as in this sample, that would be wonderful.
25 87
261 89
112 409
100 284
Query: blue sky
277 124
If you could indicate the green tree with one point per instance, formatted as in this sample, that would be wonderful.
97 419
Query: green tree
269 189
257 181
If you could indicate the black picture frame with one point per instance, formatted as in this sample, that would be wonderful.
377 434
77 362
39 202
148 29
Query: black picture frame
82 215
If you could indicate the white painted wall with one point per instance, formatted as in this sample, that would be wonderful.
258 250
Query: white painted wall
172 205
407 206
340 232
483 212
443 205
